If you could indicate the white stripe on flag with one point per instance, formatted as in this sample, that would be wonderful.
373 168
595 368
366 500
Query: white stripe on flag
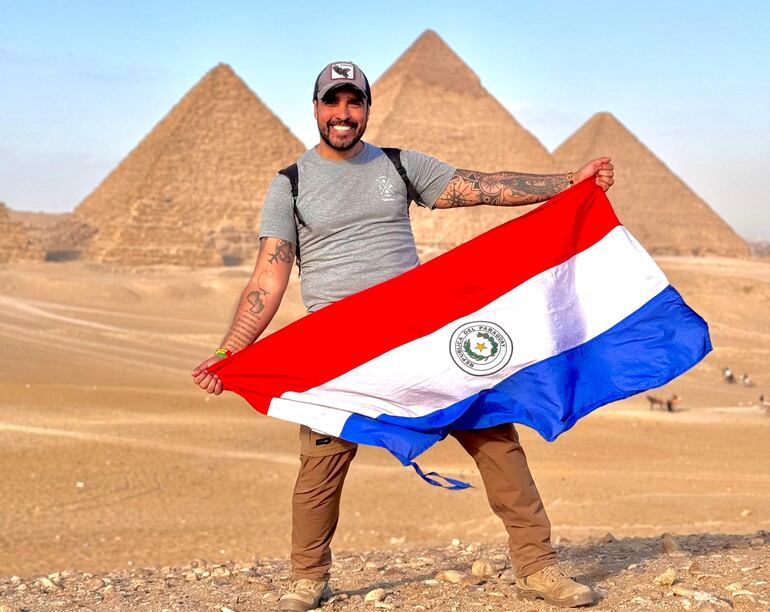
548 314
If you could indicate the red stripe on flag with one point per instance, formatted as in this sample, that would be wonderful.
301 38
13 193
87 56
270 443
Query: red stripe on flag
344 335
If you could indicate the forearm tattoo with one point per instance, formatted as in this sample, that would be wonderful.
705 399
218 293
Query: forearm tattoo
470 188
257 301
244 331
248 323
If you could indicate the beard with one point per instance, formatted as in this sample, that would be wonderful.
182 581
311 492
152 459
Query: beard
341 141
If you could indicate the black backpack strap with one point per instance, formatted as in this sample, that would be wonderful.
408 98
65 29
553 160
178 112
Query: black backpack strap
394 155
292 173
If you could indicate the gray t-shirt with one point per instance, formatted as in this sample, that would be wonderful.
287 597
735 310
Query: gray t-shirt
355 231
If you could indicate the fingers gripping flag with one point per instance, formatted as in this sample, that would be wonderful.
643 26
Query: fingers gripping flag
538 321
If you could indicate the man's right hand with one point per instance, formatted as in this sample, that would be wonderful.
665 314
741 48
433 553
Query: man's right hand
205 379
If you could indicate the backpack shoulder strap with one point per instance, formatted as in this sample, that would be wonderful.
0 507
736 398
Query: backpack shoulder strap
394 155
292 173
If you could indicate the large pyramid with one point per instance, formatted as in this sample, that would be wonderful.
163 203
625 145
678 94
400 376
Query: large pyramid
664 214
15 243
191 191
429 100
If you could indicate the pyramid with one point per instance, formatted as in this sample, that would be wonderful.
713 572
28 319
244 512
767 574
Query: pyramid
15 244
662 212
429 100
66 238
191 191
58 235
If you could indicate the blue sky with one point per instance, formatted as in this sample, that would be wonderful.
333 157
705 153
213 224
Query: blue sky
83 81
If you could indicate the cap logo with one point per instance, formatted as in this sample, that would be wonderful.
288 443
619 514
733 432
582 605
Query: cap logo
343 71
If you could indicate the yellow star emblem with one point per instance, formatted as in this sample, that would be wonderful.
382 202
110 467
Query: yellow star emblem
480 346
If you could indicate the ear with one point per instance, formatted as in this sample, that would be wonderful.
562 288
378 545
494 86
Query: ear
315 109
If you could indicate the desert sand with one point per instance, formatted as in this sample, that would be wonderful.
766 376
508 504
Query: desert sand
113 460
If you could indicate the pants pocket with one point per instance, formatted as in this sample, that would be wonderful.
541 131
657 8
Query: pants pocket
314 444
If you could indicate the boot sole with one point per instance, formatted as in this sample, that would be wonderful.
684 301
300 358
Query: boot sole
297 605
568 602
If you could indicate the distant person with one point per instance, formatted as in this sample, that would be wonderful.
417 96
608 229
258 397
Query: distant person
349 229
728 376
672 401
746 380
764 404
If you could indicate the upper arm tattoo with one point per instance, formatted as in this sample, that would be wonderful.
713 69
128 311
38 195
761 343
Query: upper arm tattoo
284 252
470 187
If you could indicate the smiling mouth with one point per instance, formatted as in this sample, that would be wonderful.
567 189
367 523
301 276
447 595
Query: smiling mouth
342 128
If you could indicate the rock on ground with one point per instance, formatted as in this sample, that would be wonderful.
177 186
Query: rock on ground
712 572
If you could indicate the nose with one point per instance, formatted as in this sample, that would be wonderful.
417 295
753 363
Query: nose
343 112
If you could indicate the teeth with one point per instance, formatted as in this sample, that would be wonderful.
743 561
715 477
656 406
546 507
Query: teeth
341 128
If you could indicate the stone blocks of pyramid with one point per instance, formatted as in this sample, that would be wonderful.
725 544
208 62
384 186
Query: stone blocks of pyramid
191 191
15 243
664 214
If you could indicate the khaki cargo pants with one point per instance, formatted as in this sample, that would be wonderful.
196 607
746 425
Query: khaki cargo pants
324 463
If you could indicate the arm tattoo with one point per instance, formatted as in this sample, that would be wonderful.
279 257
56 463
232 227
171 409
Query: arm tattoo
249 323
256 300
469 188
239 338
284 252
246 326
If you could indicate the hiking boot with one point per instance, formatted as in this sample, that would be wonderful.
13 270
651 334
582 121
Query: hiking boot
305 594
553 585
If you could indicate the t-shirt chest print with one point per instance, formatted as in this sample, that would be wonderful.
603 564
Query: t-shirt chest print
362 201
387 190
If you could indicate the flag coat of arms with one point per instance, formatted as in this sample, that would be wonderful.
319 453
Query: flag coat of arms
538 321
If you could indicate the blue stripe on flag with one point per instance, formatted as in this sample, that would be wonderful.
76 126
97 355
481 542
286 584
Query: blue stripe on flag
647 349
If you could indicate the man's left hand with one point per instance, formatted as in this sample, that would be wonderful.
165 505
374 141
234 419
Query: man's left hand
601 168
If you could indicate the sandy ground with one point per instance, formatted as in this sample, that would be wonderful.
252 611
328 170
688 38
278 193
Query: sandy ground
112 459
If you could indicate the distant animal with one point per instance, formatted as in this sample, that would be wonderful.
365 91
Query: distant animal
342 70
728 376
746 381
658 403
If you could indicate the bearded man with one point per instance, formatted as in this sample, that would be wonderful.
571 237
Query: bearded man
343 212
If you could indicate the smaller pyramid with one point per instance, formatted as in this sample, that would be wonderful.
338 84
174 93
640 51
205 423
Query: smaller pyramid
191 191
430 101
659 209
67 238
15 243
59 235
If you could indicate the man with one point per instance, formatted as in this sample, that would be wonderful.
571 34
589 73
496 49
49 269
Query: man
351 222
